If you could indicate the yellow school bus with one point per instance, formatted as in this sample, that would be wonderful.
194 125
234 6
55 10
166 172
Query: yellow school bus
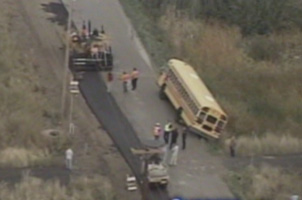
194 103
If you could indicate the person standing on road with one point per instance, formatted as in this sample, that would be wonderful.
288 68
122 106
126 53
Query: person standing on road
157 131
174 137
184 137
68 158
125 79
232 146
134 78
167 131
109 81
174 155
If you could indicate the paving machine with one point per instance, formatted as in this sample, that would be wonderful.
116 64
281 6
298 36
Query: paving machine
90 50
153 168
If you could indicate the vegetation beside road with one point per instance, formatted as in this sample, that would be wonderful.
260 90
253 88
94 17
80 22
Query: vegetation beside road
81 188
250 58
25 110
265 182
253 69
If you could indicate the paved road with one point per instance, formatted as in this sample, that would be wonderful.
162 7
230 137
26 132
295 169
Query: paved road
198 173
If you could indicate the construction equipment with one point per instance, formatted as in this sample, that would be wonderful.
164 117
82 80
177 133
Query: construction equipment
90 51
152 167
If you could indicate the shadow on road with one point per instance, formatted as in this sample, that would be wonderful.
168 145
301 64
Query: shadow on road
59 12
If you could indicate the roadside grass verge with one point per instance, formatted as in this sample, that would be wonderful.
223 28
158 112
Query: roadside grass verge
269 144
265 182
25 109
21 157
81 188
153 38
256 79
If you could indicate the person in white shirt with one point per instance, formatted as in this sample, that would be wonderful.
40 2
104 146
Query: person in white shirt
68 158
174 154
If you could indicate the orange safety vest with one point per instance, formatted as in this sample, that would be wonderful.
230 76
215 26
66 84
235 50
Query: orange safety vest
134 74
125 77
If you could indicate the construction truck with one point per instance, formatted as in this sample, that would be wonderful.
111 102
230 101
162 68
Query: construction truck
153 168
90 50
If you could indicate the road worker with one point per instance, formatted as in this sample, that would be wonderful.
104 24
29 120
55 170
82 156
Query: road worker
94 52
68 158
184 137
157 131
232 146
85 33
134 78
173 137
125 79
109 81
167 131
174 154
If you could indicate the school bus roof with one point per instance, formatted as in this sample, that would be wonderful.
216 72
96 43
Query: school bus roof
191 80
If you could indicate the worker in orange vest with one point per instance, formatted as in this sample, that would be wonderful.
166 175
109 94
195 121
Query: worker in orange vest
134 78
125 79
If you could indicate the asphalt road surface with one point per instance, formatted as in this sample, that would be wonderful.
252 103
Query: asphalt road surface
116 125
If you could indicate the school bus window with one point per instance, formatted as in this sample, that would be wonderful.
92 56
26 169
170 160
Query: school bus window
211 119
201 117
207 128
206 109
219 126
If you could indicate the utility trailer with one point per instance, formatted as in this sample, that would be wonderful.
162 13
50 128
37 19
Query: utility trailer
90 50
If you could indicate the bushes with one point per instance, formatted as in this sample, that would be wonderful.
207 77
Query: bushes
245 74
253 17
270 144
22 101
81 188
264 183
21 157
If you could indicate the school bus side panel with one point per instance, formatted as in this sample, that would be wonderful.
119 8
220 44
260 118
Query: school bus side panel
177 102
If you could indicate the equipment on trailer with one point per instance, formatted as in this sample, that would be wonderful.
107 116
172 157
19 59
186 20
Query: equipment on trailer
90 51
152 167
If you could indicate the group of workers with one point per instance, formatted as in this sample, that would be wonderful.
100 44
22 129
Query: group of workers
170 136
129 80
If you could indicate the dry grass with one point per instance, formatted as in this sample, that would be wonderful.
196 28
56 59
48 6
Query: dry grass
25 110
265 183
270 144
81 188
21 157
260 90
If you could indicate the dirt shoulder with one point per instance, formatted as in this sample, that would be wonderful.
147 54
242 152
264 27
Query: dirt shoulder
38 26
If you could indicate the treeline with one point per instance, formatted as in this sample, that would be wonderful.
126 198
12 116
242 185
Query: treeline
252 16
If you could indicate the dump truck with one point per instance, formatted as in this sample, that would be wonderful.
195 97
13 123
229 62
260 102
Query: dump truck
90 50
